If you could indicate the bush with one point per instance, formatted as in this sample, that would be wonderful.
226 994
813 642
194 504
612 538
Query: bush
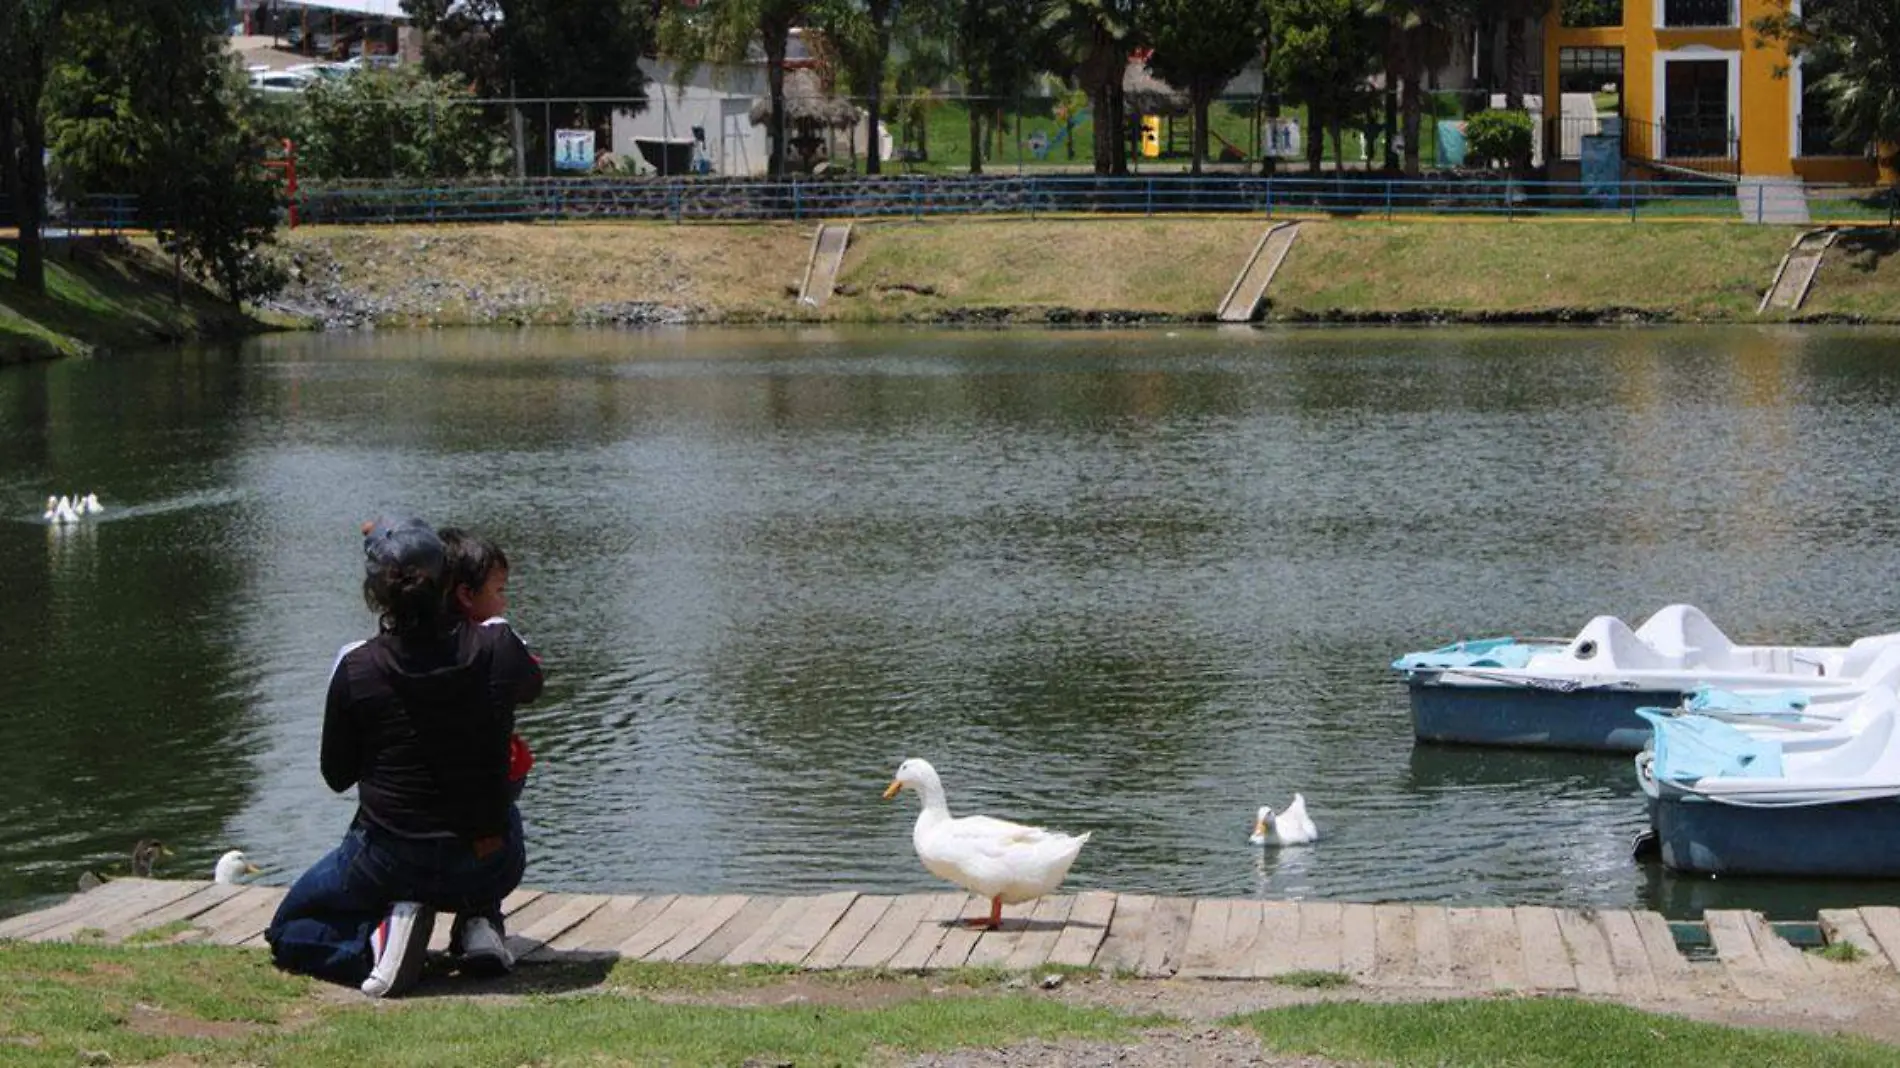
395 124
1499 138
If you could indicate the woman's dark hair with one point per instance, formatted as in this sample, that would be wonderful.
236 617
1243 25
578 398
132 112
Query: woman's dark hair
403 577
471 558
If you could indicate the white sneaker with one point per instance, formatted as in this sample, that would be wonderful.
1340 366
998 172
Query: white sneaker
484 950
398 945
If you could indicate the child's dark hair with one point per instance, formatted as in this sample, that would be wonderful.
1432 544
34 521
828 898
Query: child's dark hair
471 558
403 577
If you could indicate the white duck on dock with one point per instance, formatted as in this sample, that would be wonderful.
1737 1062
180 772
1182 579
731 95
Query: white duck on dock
1003 861
1291 827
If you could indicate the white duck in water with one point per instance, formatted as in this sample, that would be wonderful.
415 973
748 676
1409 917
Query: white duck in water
1292 827
233 867
89 505
60 511
1003 861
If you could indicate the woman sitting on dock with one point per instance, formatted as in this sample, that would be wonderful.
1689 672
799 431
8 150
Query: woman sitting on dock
418 719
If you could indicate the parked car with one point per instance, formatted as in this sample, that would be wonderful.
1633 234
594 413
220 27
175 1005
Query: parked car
280 81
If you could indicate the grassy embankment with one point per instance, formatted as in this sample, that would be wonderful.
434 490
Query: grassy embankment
76 1004
105 295
1061 270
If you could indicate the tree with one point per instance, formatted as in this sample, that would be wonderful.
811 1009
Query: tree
1089 40
1200 46
393 124
554 50
994 42
29 41
1858 42
862 31
722 31
1322 55
156 107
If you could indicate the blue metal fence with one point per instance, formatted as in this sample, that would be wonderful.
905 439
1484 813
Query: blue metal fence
1344 195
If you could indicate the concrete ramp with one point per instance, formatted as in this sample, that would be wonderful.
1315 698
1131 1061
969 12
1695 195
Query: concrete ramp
1243 298
1796 274
821 267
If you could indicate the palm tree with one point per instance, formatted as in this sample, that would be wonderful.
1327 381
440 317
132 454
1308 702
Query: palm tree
1859 42
724 32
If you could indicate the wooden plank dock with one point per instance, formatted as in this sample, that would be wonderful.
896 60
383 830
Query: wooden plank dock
1612 952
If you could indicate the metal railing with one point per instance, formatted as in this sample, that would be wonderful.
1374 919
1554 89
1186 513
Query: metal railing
916 197
1707 146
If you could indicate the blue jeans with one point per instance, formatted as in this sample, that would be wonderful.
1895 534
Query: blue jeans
323 926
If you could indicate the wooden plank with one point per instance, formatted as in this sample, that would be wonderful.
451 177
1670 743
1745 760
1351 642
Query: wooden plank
852 928
244 916
97 899
145 896
1235 958
718 910
798 939
1431 933
1847 925
1883 922
994 947
1395 952
1087 928
207 897
600 935
891 931
921 945
1275 939
1666 962
1506 948
1628 957
745 923
1046 924
1121 949
1589 952
1470 952
958 941
674 918
531 943
528 916
752 950
1167 936
1206 938
1741 959
1777 955
1358 939
1546 959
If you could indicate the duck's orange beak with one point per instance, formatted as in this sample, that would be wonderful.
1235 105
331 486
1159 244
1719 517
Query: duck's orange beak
891 790
1260 828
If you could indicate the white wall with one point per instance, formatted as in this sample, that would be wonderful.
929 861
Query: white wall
718 98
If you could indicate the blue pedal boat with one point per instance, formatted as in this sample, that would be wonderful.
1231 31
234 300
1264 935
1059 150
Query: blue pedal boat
1583 692
1797 798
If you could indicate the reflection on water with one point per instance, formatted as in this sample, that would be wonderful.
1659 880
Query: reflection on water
1119 582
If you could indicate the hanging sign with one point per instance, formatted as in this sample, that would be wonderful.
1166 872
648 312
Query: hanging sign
573 150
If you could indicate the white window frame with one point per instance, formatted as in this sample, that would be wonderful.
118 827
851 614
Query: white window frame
1797 86
1734 16
1701 53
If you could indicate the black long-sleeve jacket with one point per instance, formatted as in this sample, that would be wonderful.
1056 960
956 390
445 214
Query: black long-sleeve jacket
421 728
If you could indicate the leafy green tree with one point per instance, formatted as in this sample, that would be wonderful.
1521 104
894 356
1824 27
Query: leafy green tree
394 124
1323 52
862 32
30 35
540 50
1089 41
1858 42
156 107
1200 46
995 45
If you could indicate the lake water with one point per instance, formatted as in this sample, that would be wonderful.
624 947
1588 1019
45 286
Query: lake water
1135 583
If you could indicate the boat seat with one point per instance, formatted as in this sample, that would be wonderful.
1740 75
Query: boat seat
1686 638
1866 652
1607 642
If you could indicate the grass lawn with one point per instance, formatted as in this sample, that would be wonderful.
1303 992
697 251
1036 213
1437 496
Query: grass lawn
1859 276
103 293
1687 270
62 1005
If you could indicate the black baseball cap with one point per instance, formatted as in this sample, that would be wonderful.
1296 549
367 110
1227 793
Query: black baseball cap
403 543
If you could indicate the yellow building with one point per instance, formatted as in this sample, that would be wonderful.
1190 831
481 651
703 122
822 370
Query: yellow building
1689 84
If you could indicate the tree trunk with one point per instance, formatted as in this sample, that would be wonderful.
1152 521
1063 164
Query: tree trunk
1200 96
880 11
30 200
1410 100
976 138
1516 69
775 35
1269 163
1394 63
1118 103
1315 139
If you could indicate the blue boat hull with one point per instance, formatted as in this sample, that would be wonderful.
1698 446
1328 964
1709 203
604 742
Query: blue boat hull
1591 720
1851 840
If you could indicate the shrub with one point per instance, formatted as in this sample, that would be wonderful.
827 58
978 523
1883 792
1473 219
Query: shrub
1499 138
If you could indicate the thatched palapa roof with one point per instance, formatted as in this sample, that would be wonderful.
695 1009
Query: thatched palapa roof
806 101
